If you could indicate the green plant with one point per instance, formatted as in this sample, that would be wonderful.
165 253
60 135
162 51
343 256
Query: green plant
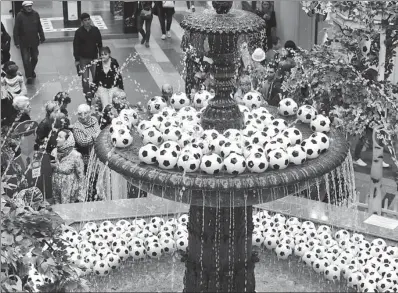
30 239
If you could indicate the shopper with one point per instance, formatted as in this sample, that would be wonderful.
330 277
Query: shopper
86 44
145 16
68 170
190 6
5 45
28 34
107 77
165 11
13 81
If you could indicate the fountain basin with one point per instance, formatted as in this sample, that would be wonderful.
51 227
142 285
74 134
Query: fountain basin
222 190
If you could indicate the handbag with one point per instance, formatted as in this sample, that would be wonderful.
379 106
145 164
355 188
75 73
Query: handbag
168 4
145 14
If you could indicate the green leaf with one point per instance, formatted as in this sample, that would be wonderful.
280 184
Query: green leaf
7 238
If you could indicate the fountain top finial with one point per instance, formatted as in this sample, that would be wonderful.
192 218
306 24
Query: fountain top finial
222 7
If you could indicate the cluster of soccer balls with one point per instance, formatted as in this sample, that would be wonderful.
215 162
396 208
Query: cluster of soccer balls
122 126
175 139
102 248
366 266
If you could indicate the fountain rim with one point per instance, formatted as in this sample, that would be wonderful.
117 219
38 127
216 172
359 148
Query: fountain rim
151 174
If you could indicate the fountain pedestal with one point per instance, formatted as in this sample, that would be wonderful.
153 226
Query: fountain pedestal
220 250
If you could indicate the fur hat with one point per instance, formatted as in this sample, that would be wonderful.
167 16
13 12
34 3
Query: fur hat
27 3
258 55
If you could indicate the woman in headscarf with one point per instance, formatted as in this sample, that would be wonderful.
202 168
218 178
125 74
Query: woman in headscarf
68 170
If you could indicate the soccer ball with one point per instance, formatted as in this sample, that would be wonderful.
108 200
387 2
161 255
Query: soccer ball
297 155
170 146
139 222
306 113
283 251
385 285
151 135
342 234
324 229
167 123
184 139
257 113
230 147
167 159
168 244
233 135
249 130
243 109
379 242
153 228
235 164
252 148
156 104
257 162
278 159
101 268
121 137
130 116
312 148
157 120
271 241
137 251
211 164
154 250
252 100
271 130
332 273
287 107
260 138
210 134
320 124
294 135
182 243
118 123
143 125
168 112
283 140
188 163
323 141
147 154
281 124
179 100
201 99
113 261
301 249
257 238
172 133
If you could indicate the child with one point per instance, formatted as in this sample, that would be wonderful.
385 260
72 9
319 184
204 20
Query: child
63 99
13 81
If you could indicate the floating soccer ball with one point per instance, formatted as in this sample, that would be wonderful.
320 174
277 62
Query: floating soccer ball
167 159
257 162
233 135
271 241
230 147
249 130
182 243
168 244
297 155
147 154
243 109
188 163
306 113
281 124
184 139
379 242
167 123
172 133
252 148
283 140
211 164
283 251
138 251
294 135
201 99
271 130
113 261
156 104
121 138
252 100
117 123
273 145
152 135
143 125
342 234
301 249
260 138
323 141
259 113
257 238
332 273
154 250
130 116
320 124
179 100
157 120
168 112
101 268
287 107
312 148
235 164
278 159
210 134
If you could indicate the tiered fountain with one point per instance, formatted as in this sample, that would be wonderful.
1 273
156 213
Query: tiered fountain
220 225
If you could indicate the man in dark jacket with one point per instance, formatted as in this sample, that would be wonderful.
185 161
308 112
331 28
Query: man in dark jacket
86 44
5 45
28 34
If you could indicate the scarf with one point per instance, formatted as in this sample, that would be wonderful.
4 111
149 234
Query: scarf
67 148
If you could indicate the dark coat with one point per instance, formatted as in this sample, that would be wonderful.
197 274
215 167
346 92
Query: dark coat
87 43
28 31
5 45
111 79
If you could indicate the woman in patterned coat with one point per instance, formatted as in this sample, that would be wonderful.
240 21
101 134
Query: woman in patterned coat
68 170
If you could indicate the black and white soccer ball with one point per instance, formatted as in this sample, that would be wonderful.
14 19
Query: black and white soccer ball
283 251
235 164
283 140
233 135
332 273
179 100
257 162
212 164
312 148
172 133
170 146
182 243
287 107
273 145
259 113
320 124
217 144
252 100
188 163
243 108
323 141
201 99
295 135
210 134
168 112
101 268
278 159
169 122
147 154
130 116
297 155
168 244
167 159
306 113
231 147
154 250
249 130
251 149
152 135
156 104
271 130
260 138
281 124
